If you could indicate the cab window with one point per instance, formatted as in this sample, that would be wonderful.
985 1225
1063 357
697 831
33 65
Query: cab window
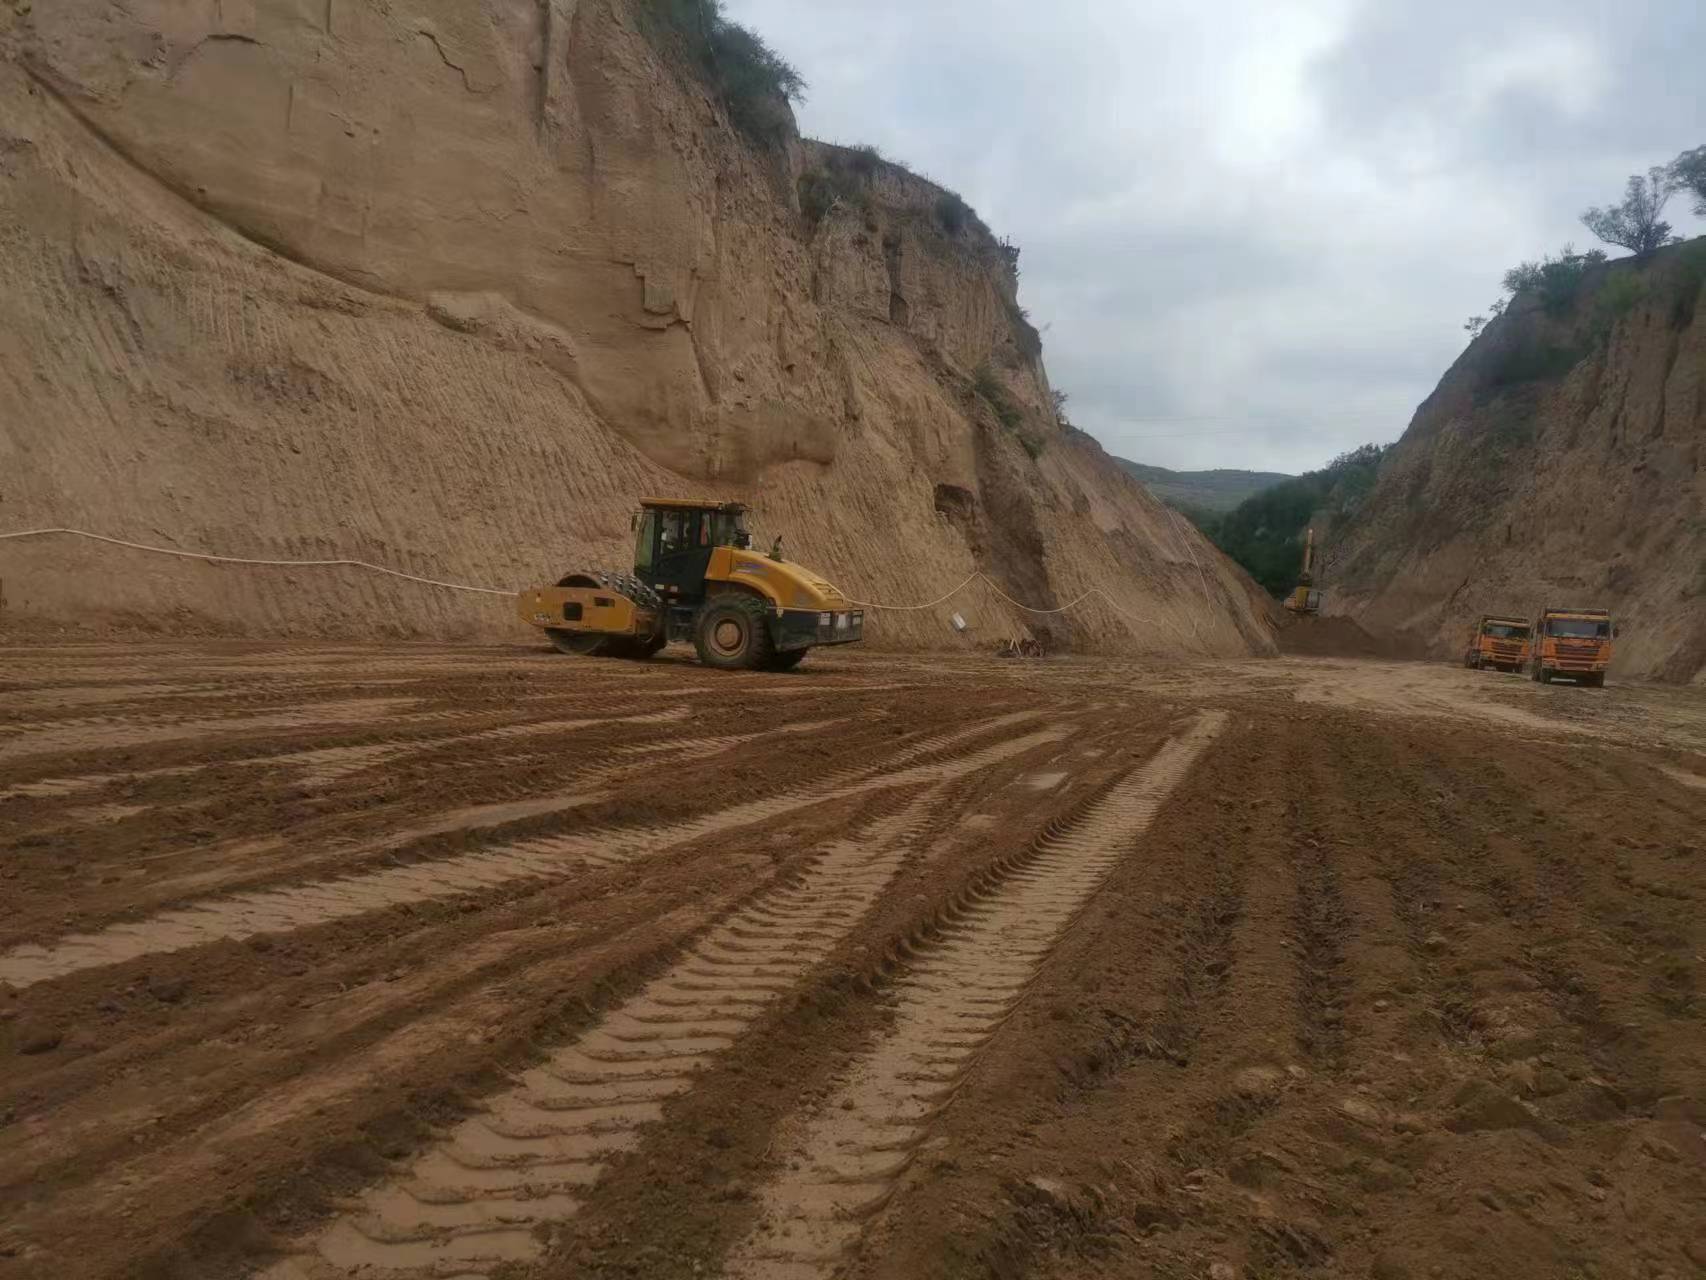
648 530
677 532
1579 628
727 529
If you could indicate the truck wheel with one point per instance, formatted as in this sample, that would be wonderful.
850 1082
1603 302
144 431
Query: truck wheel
732 633
1595 681
1545 675
787 659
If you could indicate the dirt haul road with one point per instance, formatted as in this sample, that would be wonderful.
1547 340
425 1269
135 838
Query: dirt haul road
376 962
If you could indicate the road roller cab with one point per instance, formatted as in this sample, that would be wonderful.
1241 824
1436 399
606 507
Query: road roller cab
696 577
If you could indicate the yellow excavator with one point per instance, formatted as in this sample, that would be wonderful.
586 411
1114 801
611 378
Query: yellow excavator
696 577
1304 599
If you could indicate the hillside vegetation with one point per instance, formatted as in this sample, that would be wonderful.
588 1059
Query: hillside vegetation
1265 533
1215 491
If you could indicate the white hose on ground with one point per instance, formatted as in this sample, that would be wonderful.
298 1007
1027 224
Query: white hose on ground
282 564
498 591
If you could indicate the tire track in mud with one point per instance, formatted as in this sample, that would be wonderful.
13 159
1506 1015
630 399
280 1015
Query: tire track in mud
239 916
475 1200
103 733
605 764
324 765
845 1160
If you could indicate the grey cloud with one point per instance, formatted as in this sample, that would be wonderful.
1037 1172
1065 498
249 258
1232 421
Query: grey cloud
1251 231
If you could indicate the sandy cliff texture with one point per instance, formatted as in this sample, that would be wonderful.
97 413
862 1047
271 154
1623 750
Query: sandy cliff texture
447 285
1562 460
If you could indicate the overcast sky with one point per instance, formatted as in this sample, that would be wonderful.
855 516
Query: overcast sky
1252 229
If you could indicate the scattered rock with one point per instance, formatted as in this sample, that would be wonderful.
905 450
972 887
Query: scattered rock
1408 1122
1222 1271
1660 1150
1436 942
1147 1215
168 990
1374 1174
1363 1112
1048 1190
1548 1082
36 1038
1259 1083
1481 1106
1600 1101
1388 1267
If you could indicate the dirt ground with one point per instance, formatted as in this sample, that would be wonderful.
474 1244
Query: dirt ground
361 961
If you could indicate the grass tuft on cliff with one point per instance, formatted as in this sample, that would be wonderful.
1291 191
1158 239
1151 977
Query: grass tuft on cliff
755 82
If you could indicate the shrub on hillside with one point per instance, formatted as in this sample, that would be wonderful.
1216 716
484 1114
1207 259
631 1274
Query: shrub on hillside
1616 298
863 159
822 189
995 394
1532 360
953 214
1555 281
754 81
1690 277
1025 334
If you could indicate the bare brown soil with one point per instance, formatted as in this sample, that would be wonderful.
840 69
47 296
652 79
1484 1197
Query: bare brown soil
335 961
1333 637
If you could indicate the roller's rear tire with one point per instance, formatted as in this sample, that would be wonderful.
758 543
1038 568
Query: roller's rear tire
732 633
583 644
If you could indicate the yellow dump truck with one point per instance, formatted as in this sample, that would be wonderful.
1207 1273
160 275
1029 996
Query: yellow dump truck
1573 643
1499 642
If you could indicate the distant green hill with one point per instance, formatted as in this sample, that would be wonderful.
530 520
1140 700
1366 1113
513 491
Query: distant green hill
1219 490
1265 532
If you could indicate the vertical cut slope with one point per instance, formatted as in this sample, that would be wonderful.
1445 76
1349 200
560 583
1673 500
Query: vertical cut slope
447 285
1562 460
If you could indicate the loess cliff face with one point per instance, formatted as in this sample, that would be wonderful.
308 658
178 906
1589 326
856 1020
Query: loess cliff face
449 284
1562 460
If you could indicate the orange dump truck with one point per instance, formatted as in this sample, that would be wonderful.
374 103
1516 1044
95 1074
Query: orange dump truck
1497 641
1575 643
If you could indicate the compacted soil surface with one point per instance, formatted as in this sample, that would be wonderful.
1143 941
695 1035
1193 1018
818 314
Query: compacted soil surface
408 961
